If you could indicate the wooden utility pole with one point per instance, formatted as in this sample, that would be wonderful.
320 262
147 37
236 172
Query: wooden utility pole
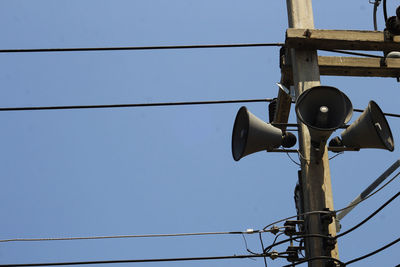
315 177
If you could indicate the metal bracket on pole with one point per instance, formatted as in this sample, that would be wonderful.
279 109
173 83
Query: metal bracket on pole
288 91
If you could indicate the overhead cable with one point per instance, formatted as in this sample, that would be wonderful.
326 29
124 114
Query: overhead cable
373 252
250 231
370 216
295 216
384 11
136 105
386 114
135 261
376 191
348 262
157 104
336 211
294 238
367 192
376 4
166 47
351 53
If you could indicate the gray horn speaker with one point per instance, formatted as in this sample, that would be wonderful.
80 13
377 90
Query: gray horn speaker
250 135
370 130
323 109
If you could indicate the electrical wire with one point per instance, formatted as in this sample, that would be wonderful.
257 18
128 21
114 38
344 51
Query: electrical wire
336 211
301 157
386 114
129 236
374 252
376 191
137 105
337 154
298 164
87 49
262 247
295 216
351 53
273 243
376 4
247 248
384 11
162 104
133 261
294 239
369 217
316 258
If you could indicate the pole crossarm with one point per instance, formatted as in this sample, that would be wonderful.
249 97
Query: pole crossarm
352 66
340 39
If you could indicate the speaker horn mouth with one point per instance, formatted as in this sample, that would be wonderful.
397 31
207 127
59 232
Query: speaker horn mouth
239 138
324 108
379 121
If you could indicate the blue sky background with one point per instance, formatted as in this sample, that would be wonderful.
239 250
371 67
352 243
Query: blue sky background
164 169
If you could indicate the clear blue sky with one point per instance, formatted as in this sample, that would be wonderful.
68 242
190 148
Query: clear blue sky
164 169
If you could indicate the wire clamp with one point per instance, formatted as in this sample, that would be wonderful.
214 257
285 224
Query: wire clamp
274 255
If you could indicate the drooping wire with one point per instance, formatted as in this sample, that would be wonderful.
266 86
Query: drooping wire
376 4
90 49
247 248
262 247
273 243
384 11
298 164
373 252
337 154
370 216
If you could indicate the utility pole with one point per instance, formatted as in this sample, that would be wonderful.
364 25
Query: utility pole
315 178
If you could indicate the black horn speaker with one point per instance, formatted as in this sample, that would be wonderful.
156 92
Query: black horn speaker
251 134
323 109
370 130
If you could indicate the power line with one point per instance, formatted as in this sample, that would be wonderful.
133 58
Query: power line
222 233
294 238
295 216
331 212
155 105
131 236
88 49
386 114
370 216
351 53
136 261
136 105
374 252
365 198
